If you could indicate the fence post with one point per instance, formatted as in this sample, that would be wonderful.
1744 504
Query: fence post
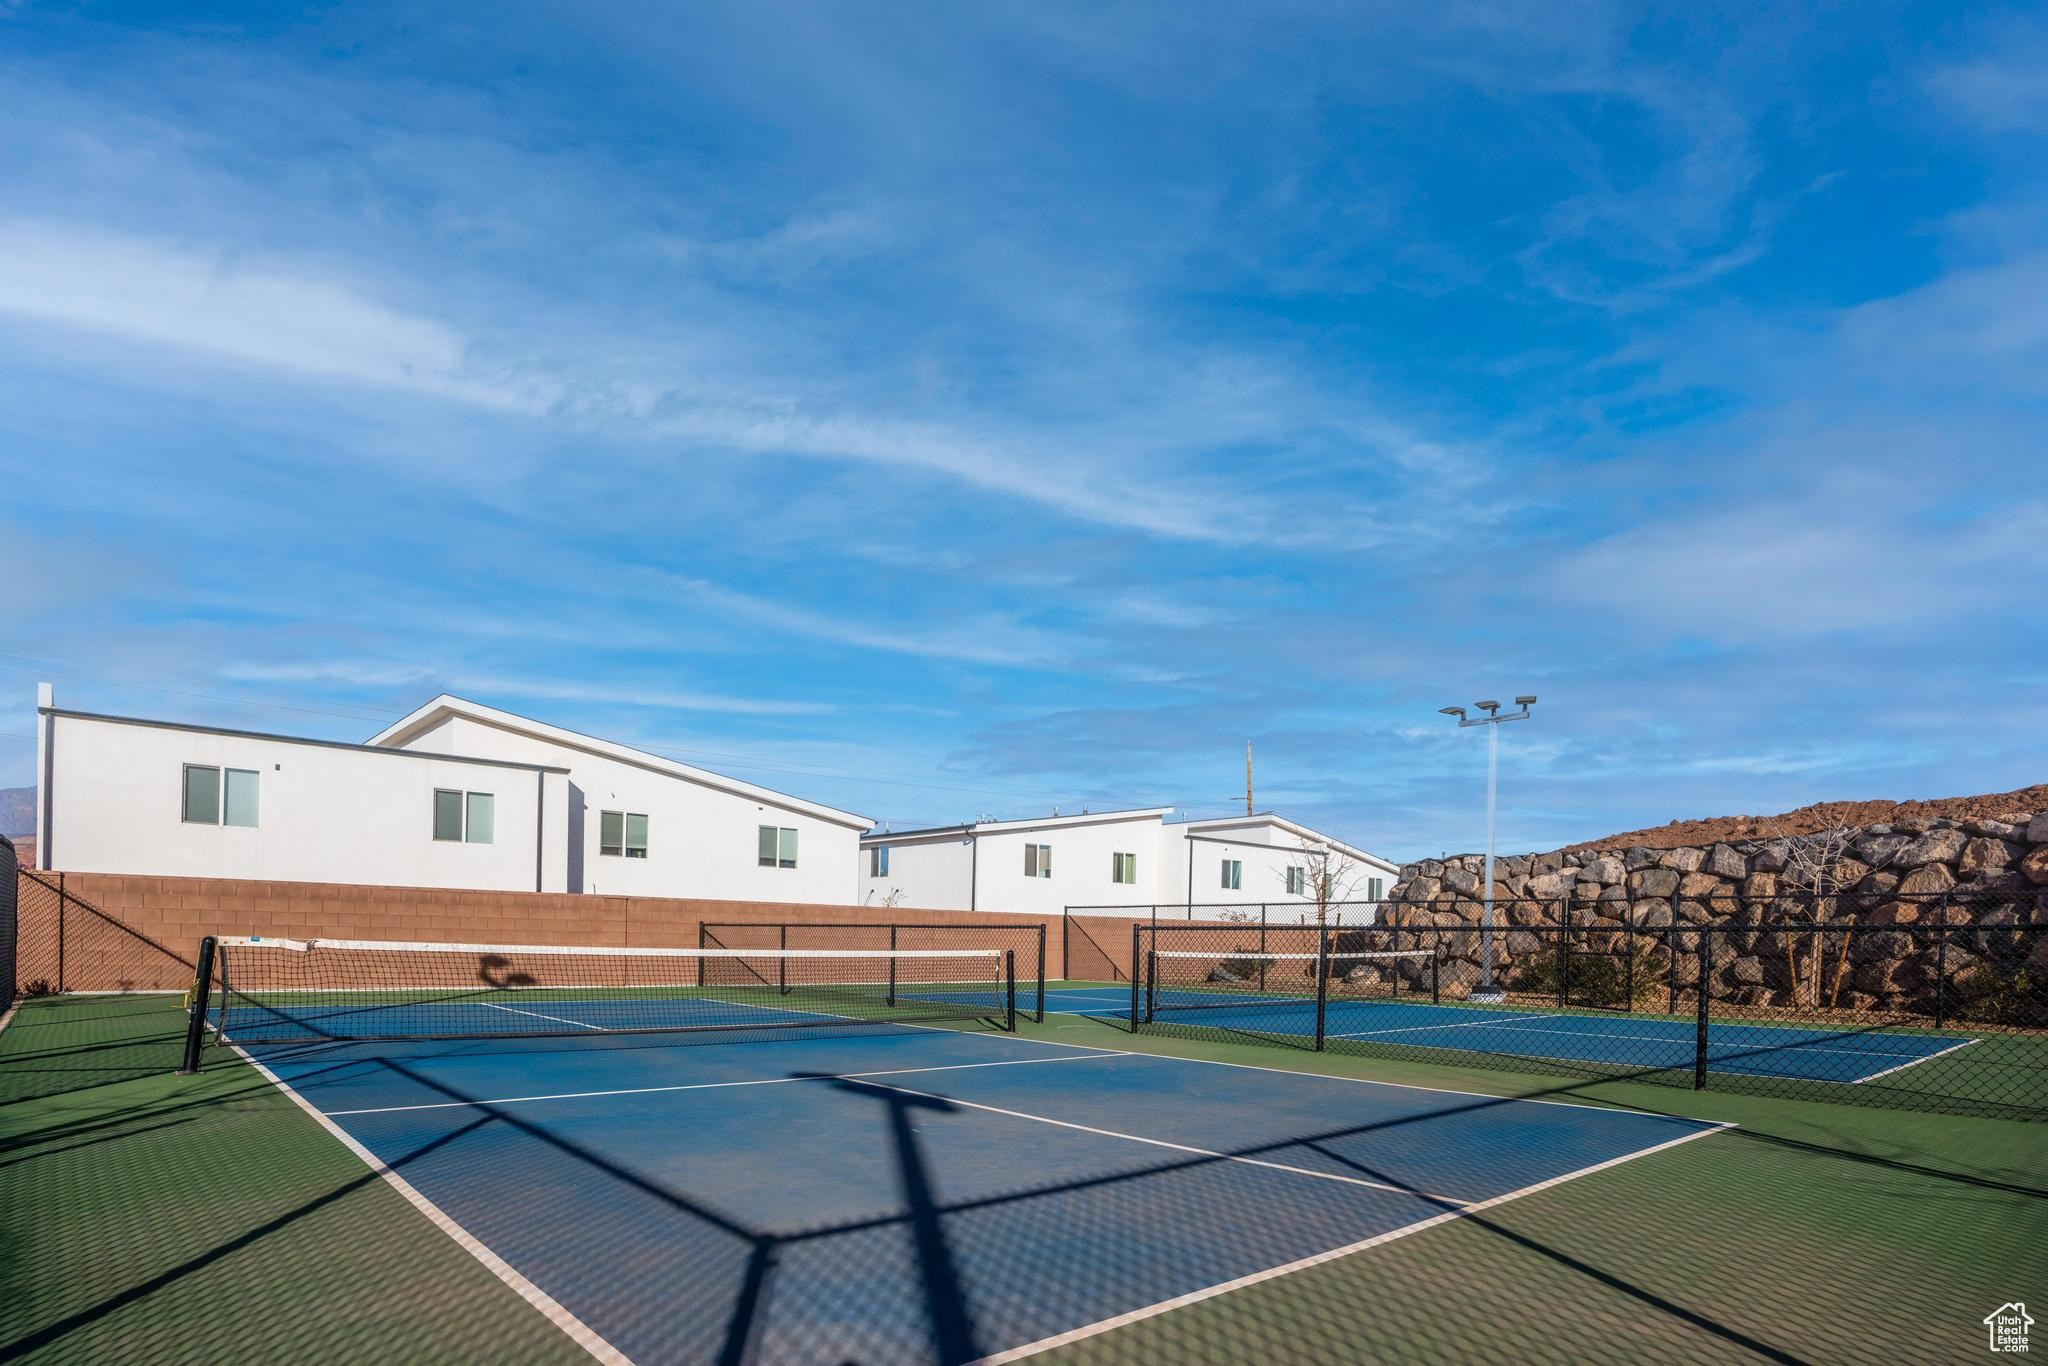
1941 966
1699 1045
892 972
1564 958
63 900
1137 931
1629 991
1041 972
1671 965
1322 984
1066 945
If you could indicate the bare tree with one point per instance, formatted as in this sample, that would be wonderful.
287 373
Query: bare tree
1819 867
1329 876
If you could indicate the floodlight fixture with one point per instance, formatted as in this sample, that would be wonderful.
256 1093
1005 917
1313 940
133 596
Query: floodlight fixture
1487 990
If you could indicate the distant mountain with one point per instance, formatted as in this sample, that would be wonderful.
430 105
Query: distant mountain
17 811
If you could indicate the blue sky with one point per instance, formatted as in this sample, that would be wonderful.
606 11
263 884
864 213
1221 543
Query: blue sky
954 410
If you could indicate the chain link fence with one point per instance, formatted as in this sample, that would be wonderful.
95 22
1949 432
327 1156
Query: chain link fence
1936 1002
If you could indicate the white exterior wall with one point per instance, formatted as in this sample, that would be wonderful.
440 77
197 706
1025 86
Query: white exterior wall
933 873
1081 867
701 840
1267 851
324 814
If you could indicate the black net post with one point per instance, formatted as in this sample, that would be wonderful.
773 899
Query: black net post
1706 988
703 942
892 967
1009 987
782 964
1436 967
195 1023
1322 985
1151 984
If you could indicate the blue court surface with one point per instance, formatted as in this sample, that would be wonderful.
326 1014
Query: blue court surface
912 1194
1621 1040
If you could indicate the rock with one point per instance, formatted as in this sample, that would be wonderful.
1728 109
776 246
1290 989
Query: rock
1884 944
1701 884
1650 882
1847 872
1521 943
1588 891
1550 886
1881 850
1877 976
1998 830
1879 883
1430 867
1878 829
1760 886
1222 974
1514 865
2037 961
1912 826
1423 889
1984 854
2037 829
1604 870
1640 856
1929 880
1936 846
2035 864
1460 882
1893 913
1725 861
1747 972
1546 863
1694 912
1653 915
1681 860
1770 857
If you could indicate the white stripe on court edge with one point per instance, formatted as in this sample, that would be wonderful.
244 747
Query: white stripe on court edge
1162 1143
1031 1349
577 1330
720 1085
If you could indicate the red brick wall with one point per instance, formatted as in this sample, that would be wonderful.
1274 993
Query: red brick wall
125 932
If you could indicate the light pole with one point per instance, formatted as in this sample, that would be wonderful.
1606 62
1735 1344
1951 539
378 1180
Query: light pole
1487 991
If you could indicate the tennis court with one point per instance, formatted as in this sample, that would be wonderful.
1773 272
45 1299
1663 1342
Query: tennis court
824 1188
1850 1056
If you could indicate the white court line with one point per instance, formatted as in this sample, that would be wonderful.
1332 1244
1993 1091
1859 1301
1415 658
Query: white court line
710 1085
1500 1022
578 1331
558 1019
1074 1335
1915 1063
1162 1143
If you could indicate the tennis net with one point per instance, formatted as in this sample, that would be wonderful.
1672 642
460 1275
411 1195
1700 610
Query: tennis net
261 990
1219 979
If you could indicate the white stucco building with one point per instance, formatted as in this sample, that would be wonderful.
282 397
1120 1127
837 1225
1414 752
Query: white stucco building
1114 858
456 794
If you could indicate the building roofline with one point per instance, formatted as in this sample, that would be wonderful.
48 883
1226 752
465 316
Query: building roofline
995 827
417 720
1292 827
66 714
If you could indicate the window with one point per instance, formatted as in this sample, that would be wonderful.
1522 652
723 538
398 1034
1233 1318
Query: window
464 817
1375 888
1038 860
878 861
777 847
1297 881
1123 868
220 796
447 815
202 795
1233 873
622 832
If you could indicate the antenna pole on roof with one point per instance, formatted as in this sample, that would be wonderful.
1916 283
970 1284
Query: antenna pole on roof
1247 777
